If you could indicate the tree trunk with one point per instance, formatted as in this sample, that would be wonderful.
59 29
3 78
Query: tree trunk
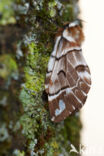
27 30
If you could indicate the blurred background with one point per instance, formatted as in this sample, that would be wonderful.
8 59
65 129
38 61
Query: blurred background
92 12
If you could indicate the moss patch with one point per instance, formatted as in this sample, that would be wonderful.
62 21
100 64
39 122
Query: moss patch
27 115
6 12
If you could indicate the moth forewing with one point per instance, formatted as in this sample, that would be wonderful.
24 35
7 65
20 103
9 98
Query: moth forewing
68 77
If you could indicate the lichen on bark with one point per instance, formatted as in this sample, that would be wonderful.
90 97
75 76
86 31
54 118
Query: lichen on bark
25 125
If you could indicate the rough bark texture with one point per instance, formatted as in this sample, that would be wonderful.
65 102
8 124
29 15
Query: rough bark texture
26 39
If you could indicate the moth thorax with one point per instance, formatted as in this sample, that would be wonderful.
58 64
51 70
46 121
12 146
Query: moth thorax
76 34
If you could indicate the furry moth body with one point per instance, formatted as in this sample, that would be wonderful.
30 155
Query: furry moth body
68 77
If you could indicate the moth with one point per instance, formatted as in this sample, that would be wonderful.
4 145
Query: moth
68 76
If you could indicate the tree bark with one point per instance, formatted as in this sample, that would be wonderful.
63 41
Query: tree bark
25 47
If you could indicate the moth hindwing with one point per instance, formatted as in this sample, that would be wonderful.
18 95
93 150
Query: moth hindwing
68 77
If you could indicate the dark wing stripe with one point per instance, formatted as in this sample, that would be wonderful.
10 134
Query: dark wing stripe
61 64
62 79
54 86
58 80
48 76
64 47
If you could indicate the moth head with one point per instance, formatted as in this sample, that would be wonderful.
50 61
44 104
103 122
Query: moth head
73 32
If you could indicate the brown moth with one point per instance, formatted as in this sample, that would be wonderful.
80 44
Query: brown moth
68 76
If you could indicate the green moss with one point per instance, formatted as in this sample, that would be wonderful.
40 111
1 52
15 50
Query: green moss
49 138
8 67
6 11
52 8
69 11
33 72
42 137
